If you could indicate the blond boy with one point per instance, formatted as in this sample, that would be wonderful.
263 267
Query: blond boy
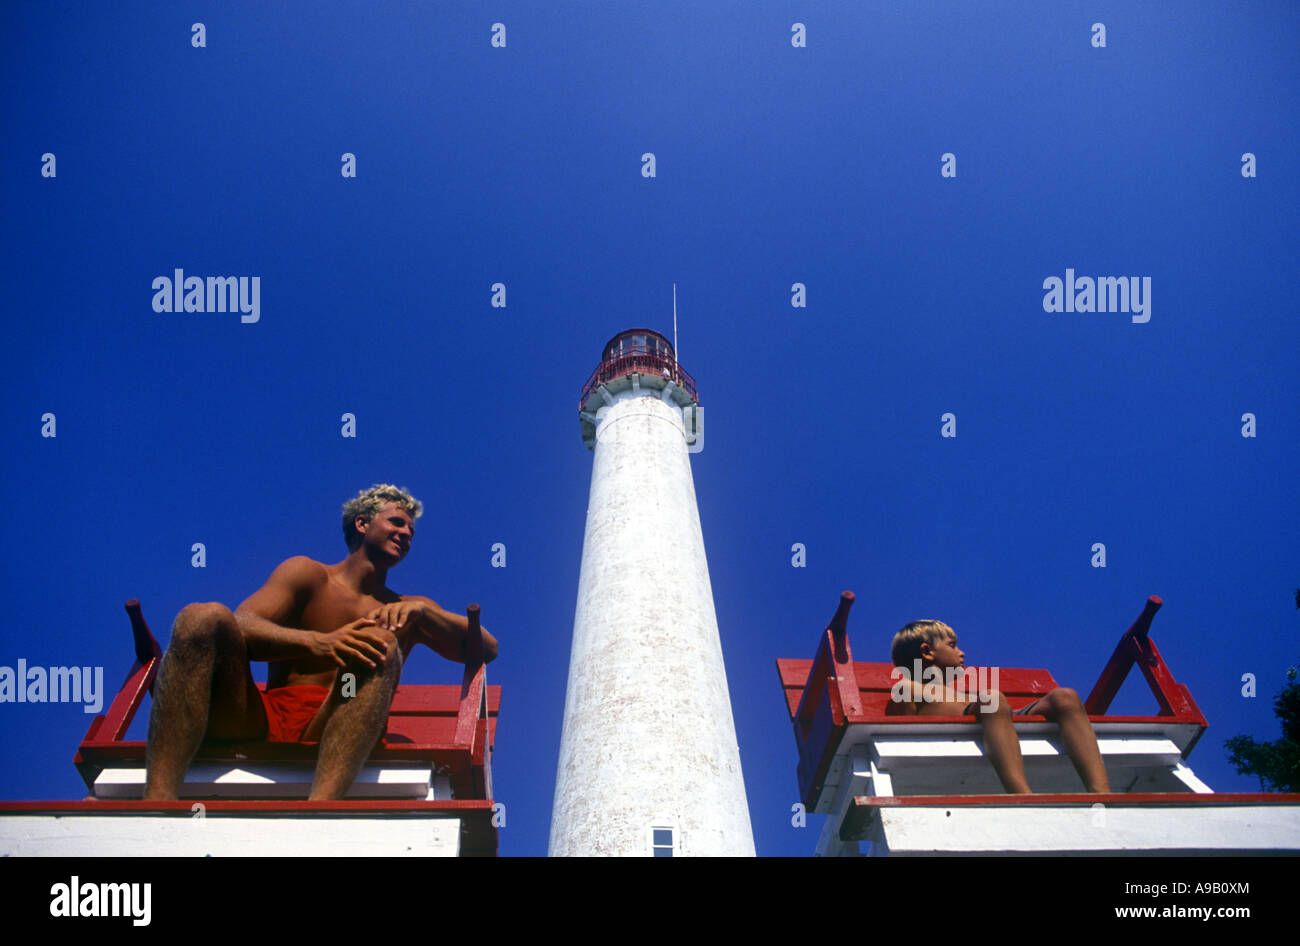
932 645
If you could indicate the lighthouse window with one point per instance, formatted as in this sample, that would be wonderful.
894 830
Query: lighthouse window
663 841
638 341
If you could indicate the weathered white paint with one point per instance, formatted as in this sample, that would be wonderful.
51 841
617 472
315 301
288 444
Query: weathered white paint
648 733
226 834
1117 829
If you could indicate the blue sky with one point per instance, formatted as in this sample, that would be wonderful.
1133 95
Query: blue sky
774 165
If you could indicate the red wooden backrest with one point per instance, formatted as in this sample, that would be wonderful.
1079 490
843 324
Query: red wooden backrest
1020 685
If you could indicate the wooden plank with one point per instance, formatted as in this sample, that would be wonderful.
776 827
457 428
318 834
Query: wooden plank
1121 660
876 719
941 750
1021 685
481 762
235 834
139 680
1098 824
346 806
1174 699
471 706
436 698
793 671
1192 799
1024 681
794 676
843 676
269 779
430 730
103 753
817 751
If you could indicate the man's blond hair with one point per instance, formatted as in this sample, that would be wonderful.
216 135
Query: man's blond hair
370 501
906 648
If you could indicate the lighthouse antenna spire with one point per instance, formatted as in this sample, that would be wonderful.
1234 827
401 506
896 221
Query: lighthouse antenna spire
674 327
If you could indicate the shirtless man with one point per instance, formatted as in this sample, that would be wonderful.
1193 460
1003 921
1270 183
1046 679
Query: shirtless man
336 638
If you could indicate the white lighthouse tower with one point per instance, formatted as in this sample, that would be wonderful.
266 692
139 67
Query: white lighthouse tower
648 759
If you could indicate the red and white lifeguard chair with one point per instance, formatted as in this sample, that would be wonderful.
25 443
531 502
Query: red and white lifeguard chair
426 789
921 785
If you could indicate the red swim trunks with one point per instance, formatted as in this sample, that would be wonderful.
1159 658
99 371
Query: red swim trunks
290 709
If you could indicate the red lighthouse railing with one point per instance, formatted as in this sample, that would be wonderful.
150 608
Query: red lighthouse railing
639 351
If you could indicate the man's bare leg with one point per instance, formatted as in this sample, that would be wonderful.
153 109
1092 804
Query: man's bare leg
1003 746
1063 707
349 727
204 687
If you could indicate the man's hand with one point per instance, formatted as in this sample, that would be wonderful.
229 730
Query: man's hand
396 615
354 643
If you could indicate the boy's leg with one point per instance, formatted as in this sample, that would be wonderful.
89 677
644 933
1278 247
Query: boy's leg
204 687
349 727
1063 707
1002 745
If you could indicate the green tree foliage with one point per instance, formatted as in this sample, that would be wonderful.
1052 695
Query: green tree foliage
1277 763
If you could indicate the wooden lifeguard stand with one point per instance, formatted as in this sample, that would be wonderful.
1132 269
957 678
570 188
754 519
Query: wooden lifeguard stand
426 789
922 784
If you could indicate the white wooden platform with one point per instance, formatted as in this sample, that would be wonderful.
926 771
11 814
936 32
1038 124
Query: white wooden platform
1206 826
248 828
926 793
217 834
